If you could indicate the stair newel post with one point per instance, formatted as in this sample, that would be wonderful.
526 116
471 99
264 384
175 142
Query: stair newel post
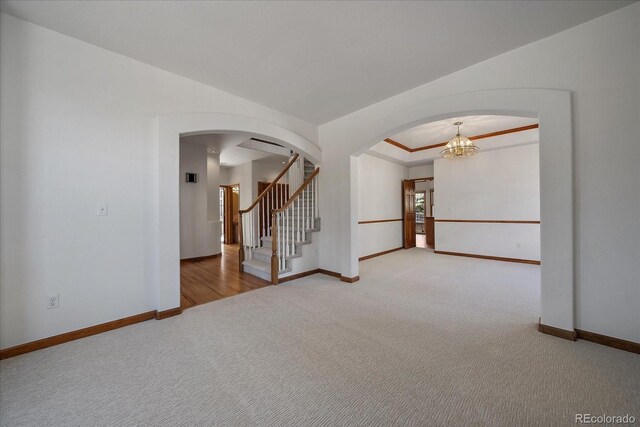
274 249
241 242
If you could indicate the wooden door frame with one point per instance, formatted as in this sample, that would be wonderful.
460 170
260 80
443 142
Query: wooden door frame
408 218
431 205
228 213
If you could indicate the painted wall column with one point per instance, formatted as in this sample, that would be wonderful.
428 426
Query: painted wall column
349 221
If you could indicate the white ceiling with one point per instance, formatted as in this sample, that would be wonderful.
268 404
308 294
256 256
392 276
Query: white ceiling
443 130
314 60
227 146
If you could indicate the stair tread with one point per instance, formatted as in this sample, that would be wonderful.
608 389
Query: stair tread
262 266
302 242
258 265
262 249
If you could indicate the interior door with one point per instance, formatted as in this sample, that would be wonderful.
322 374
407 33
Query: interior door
227 214
235 213
409 213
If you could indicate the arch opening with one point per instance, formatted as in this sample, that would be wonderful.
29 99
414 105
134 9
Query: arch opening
552 108
165 224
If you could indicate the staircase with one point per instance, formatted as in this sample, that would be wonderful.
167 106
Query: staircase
280 223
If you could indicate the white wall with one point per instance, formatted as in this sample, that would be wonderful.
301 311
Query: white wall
213 189
599 62
225 176
78 126
422 171
380 197
248 175
199 203
264 171
493 185
242 175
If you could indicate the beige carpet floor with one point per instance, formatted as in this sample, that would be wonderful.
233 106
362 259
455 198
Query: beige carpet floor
422 339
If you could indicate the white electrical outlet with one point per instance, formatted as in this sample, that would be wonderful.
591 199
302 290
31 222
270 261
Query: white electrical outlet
518 245
53 301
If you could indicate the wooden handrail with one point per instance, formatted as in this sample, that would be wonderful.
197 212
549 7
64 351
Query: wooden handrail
304 185
270 186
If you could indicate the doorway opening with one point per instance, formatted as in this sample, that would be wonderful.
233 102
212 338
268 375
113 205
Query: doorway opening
488 204
167 223
229 213
219 172
422 227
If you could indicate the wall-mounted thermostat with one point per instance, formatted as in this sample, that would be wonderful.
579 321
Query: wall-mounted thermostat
192 177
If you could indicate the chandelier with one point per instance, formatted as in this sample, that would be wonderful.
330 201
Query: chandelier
459 146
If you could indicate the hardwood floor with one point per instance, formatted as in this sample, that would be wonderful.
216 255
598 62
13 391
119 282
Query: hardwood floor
215 278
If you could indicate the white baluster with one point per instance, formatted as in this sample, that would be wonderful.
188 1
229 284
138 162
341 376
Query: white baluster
247 233
309 203
244 235
299 223
290 219
305 208
313 206
270 229
305 216
281 225
277 220
251 233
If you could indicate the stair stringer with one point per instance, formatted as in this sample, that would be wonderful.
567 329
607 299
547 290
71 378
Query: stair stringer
309 258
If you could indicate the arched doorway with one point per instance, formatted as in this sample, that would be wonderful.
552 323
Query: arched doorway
166 222
553 110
